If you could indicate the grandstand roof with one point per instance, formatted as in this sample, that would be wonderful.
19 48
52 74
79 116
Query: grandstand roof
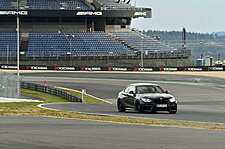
75 8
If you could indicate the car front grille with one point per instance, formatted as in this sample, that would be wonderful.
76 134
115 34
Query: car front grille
161 100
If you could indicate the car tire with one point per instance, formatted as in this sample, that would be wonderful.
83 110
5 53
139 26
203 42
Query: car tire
153 112
138 107
121 107
173 111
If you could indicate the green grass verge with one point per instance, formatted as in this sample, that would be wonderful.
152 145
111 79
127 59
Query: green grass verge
43 96
31 109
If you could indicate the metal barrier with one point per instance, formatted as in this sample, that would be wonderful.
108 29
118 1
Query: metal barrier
50 90
8 85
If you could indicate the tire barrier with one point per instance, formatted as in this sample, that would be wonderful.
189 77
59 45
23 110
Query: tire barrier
50 90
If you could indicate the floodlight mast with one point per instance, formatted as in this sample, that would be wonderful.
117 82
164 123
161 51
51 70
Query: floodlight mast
142 57
135 3
18 50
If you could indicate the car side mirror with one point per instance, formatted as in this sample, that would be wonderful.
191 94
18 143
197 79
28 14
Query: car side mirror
131 93
167 92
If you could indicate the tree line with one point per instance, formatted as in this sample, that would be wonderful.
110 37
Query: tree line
201 44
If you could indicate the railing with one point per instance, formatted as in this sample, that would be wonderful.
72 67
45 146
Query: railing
50 90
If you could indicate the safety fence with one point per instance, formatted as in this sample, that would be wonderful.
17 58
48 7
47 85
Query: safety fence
8 85
53 56
68 68
50 90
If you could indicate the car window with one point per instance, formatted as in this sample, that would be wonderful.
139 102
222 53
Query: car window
126 90
158 89
149 89
129 88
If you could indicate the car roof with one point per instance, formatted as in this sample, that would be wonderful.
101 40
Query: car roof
142 84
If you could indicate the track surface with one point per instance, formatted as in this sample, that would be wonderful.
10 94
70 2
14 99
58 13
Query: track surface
49 133
107 85
209 112
52 133
196 103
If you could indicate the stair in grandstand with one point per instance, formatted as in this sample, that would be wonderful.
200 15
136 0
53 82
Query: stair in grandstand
113 5
24 43
22 4
123 42
90 5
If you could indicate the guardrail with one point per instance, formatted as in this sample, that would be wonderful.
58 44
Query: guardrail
50 90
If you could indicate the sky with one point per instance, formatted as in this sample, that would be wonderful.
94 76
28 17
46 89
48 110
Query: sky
201 16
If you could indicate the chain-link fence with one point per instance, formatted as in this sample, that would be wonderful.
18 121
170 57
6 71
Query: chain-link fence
8 85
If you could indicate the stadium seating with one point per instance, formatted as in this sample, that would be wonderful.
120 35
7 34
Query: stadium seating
143 42
74 43
112 5
8 44
6 4
46 5
81 43
58 5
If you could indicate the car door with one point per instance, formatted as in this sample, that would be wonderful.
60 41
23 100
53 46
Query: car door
131 97
127 96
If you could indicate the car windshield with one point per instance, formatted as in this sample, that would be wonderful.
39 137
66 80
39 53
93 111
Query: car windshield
145 89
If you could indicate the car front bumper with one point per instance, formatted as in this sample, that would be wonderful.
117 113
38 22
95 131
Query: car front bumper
160 107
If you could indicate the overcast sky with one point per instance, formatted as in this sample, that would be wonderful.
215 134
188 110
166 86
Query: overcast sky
202 16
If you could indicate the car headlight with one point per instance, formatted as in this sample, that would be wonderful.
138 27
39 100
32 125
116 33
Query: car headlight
146 100
173 100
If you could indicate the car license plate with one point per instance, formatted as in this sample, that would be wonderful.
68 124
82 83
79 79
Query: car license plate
161 105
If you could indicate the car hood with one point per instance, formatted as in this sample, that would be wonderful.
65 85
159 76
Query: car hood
154 95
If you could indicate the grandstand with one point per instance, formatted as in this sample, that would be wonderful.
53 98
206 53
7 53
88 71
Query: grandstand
80 43
77 28
8 43
112 5
45 5
142 42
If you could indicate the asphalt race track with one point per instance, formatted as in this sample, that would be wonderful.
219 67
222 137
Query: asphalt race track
107 85
54 133
201 102
196 103
209 112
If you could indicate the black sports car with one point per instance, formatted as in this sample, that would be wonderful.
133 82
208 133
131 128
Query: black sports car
146 97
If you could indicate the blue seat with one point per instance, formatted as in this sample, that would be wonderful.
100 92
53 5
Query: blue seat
78 43
142 42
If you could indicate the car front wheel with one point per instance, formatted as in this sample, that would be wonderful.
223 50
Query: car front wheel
173 111
121 107
139 107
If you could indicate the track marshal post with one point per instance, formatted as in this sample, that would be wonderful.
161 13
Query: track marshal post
84 91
